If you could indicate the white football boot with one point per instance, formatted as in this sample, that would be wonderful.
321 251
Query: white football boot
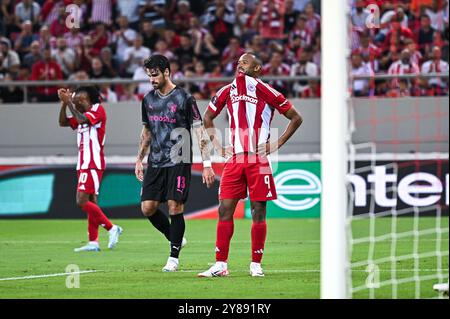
256 270
219 269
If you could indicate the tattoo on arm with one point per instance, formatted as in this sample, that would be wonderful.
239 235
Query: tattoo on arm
204 143
144 143
80 117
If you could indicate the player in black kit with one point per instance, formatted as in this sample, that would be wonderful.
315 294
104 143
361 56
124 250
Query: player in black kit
168 113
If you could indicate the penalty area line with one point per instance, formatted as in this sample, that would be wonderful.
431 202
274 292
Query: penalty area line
51 275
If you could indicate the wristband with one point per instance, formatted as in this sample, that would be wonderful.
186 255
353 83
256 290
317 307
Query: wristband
206 164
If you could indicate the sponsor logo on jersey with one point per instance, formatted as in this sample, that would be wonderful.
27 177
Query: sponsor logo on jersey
245 98
165 119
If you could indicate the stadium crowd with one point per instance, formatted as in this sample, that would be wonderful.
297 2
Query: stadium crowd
41 40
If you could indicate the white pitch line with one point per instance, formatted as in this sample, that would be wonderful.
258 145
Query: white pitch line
50 275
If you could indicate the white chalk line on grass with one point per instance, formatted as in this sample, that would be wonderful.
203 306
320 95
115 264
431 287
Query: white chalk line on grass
50 275
271 271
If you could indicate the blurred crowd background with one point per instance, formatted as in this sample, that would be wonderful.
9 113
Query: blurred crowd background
204 39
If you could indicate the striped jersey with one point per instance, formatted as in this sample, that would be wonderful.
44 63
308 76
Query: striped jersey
91 138
250 106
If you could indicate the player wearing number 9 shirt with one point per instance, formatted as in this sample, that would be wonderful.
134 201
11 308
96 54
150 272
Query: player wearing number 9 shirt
88 117
251 105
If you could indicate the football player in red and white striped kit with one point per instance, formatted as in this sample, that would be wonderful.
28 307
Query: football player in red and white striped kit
251 105
89 119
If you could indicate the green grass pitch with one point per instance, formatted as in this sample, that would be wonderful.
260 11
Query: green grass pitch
133 270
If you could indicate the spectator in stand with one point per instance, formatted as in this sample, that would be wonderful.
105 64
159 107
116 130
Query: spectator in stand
149 35
172 38
359 14
211 11
98 70
100 37
175 71
397 34
46 70
437 65
130 10
163 49
182 17
416 56
312 19
154 11
304 67
424 36
33 56
437 14
101 12
277 67
200 72
290 16
134 56
185 53
205 49
268 18
65 57
123 38
85 53
404 66
300 31
45 38
385 23
216 72
59 27
11 93
109 62
107 94
369 52
221 30
241 24
361 87
231 55
145 86
50 11
7 18
27 10
74 38
25 38
10 58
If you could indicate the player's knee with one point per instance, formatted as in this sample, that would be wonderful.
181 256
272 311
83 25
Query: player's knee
175 208
258 212
148 210
225 212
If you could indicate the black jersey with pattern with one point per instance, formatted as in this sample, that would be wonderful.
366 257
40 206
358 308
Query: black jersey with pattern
169 119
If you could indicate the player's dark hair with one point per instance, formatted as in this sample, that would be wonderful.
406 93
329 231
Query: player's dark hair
157 61
92 92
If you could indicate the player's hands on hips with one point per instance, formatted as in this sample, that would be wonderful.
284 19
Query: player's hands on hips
208 176
266 148
139 171
226 151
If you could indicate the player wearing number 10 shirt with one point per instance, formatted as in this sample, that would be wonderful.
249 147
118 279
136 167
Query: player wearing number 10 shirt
88 117
251 105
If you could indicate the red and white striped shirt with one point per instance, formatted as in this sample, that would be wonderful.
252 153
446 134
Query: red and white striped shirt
250 106
91 138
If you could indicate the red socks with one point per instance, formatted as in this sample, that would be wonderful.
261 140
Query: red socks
259 232
224 233
95 218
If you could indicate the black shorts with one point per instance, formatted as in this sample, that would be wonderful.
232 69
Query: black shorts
167 183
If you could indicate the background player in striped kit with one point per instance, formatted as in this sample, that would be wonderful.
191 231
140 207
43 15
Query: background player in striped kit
89 119
168 112
250 104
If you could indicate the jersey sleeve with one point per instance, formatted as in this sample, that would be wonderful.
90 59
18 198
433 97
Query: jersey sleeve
96 115
195 119
145 120
272 97
219 100
72 122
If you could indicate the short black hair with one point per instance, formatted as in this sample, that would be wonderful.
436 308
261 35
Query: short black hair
157 61
92 92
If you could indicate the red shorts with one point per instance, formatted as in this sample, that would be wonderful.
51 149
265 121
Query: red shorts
247 170
89 180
